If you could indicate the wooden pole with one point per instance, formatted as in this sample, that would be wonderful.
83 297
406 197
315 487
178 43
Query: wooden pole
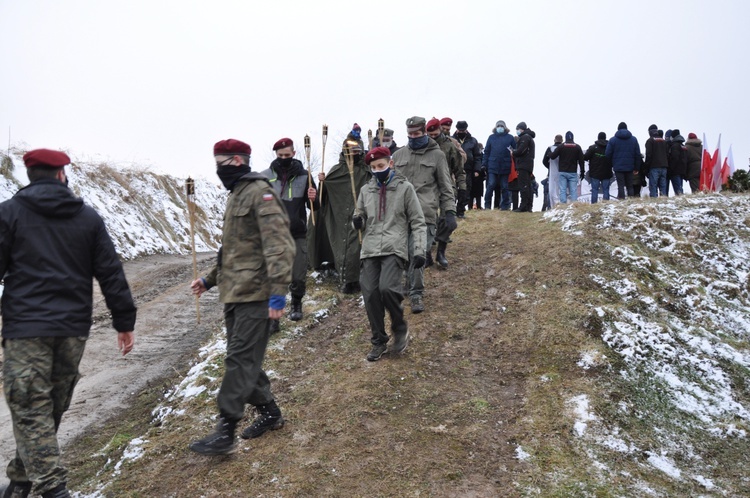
190 191
323 160
309 177
350 165
381 130
369 139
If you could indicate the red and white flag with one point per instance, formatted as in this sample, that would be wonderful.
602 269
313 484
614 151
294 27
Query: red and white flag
707 170
727 169
716 163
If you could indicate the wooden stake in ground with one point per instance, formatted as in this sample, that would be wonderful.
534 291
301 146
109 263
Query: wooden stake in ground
190 191
349 156
381 131
323 160
309 176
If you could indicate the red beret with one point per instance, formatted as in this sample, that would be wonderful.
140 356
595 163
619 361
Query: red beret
46 158
446 121
432 125
283 143
231 147
692 136
377 153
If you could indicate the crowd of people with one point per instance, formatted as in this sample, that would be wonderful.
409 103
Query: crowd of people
375 217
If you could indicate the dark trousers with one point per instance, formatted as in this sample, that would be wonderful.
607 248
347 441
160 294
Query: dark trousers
39 375
524 183
624 183
299 269
244 379
380 279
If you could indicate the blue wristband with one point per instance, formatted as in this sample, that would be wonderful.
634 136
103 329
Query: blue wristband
277 302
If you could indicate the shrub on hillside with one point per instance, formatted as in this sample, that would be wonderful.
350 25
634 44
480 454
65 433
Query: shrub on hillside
738 182
7 166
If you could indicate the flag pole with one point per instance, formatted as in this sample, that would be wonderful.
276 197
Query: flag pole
190 191
309 177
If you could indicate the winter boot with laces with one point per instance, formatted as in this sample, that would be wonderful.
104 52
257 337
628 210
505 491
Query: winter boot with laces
376 352
17 489
269 418
219 442
296 314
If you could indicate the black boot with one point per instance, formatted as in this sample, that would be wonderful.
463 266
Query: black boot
428 260
296 314
17 489
440 255
59 491
219 442
274 326
269 418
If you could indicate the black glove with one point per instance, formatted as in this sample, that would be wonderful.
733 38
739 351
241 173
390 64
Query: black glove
450 221
463 197
358 222
583 175
419 262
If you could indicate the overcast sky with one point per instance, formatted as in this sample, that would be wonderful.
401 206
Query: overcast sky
159 82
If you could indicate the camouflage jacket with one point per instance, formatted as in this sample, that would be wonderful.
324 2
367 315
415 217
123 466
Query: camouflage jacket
427 170
257 248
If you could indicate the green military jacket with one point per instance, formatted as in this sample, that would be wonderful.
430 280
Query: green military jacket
257 248
427 170
455 161
388 220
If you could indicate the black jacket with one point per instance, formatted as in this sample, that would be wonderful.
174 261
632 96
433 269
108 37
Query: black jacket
678 157
656 154
291 185
599 166
570 155
51 247
523 154
470 145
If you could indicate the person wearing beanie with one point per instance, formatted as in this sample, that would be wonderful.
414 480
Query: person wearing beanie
523 155
694 148
332 238
655 164
424 165
388 213
496 163
253 273
678 161
290 180
472 164
600 170
52 248
624 153
552 185
455 157
571 157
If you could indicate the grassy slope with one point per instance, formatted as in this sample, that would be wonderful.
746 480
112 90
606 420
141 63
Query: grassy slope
491 367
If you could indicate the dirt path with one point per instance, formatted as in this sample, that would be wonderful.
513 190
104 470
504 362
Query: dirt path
166 336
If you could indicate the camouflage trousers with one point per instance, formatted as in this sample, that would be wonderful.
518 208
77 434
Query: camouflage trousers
39 375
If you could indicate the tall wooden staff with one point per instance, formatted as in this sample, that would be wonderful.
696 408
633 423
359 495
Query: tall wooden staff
190 192
309 176
369 139
381 130
348 155
323 160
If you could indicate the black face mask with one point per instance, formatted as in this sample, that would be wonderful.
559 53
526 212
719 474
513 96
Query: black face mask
461 134
286 162
230 174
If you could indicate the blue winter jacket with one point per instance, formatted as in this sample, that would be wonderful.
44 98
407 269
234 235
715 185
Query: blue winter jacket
624 152
496 155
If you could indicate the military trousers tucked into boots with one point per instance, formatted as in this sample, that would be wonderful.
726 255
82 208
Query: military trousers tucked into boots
39 375
244 379
381 281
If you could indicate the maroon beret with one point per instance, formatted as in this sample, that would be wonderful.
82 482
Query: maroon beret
692 136
446 121
377 153
45 158
432 124
283 143
231 147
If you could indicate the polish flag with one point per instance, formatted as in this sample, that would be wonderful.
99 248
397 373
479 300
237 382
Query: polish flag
707 170
716 163
727 169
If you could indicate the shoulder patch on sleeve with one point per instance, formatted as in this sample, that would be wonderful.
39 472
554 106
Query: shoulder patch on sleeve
267 197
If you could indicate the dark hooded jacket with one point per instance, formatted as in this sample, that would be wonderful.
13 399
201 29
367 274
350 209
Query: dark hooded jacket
496 157
473 155
599 166
291 185
656 153
570 154
695 155
678 156
51 247
624 152
524 152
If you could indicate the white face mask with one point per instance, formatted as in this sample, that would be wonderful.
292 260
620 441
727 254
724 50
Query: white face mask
387 143
518 132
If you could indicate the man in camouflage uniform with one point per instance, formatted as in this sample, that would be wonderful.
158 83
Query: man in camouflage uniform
423 164
458 180
51 248
253 271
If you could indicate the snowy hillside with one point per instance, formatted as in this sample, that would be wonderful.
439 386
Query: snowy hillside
145 213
